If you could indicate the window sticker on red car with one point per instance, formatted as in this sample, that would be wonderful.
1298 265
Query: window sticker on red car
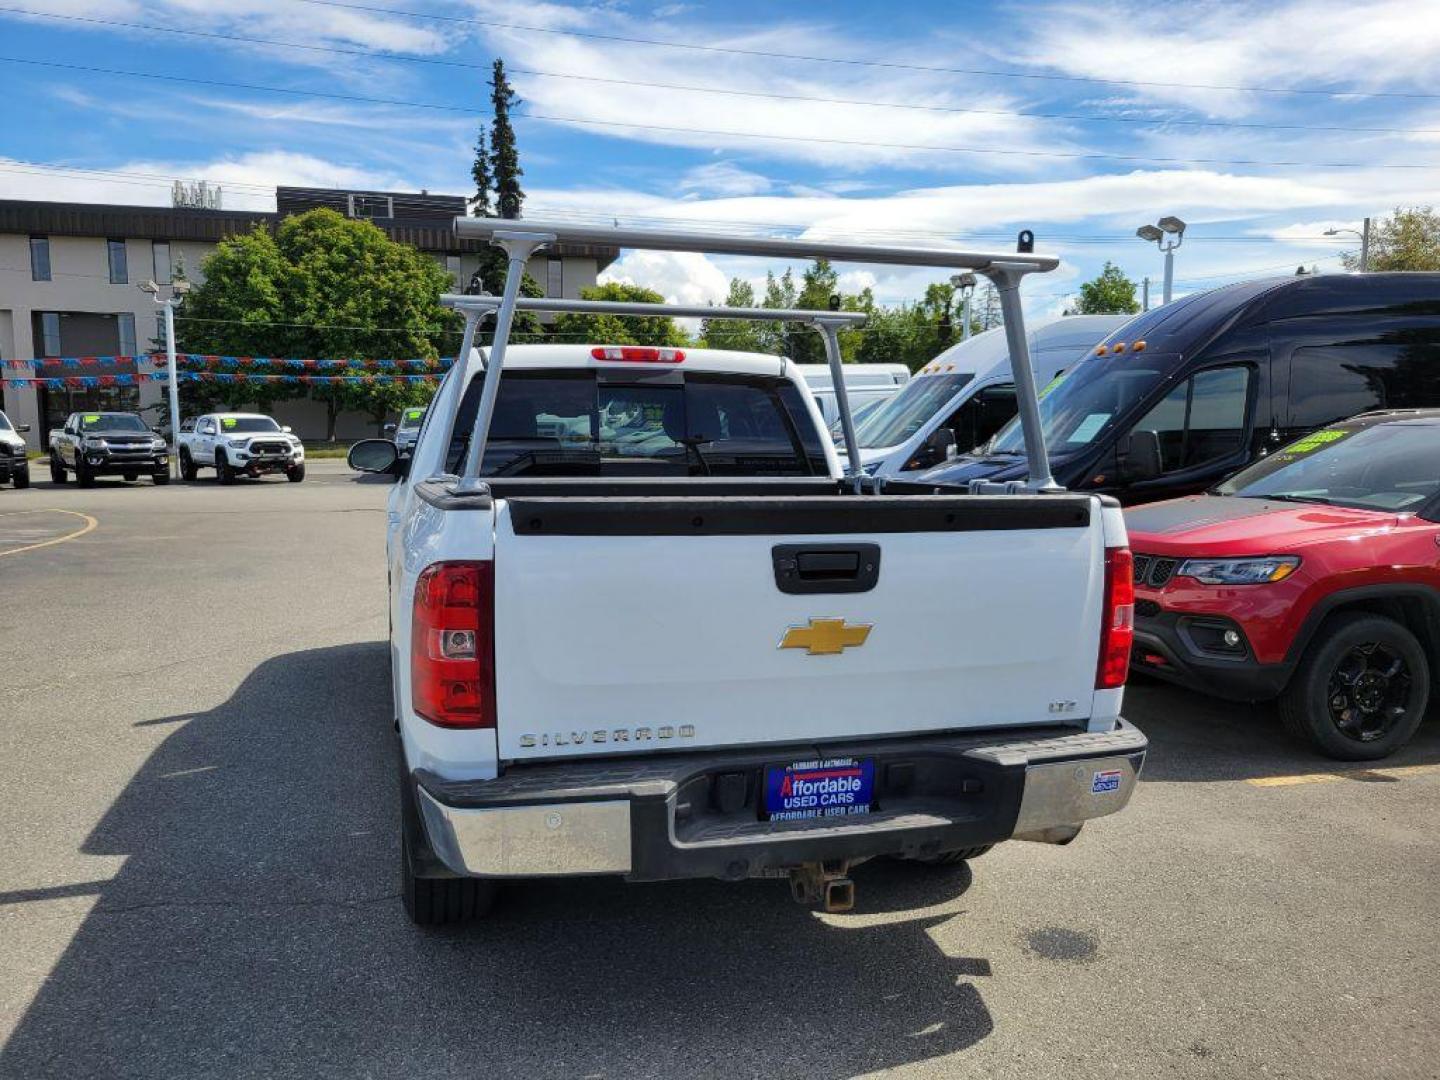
1314 441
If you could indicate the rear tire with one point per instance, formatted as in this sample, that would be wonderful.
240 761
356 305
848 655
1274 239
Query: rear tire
1360 690
160 479
21 477
130 477
437 901
57 471
296 474
187 466
223 472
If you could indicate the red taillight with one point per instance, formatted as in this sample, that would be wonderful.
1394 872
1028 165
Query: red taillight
1117 631
452 645
638 354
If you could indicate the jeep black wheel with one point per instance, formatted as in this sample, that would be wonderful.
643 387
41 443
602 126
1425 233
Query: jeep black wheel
296 474
57 471
130 477
21 477
160 478
223 471
1360 690
187 466
83 476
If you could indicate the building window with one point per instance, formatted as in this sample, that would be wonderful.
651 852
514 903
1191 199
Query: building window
40 258
452 267
125 324
554 277
370 206
161 251
50 332
119 271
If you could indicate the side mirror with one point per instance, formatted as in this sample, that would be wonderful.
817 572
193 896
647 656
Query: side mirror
22 427
388 429
1142 459
286 428
373 456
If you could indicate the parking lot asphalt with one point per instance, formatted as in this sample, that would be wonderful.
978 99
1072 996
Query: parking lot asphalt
199 876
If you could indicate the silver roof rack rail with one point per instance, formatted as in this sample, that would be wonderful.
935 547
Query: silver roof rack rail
521 239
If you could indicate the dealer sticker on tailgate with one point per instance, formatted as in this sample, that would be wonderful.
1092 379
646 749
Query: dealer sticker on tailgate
834 787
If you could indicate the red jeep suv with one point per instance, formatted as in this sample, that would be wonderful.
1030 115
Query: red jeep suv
1312 576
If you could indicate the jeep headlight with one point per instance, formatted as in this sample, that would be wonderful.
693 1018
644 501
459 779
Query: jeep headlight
157 445
238 444
92 443
1259 571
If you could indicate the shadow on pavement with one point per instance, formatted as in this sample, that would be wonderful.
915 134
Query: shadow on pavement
255 928
1199 738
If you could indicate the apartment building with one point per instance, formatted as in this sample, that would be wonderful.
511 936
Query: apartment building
69 274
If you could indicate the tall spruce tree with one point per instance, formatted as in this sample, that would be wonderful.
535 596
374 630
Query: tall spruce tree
504 155
480 172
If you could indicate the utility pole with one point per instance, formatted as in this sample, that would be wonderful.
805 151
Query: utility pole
1145 294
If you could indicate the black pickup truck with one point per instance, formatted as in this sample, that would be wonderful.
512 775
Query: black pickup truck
95 444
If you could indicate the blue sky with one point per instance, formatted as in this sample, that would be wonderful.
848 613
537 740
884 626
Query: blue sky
1081 121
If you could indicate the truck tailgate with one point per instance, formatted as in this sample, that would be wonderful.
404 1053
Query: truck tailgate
627 624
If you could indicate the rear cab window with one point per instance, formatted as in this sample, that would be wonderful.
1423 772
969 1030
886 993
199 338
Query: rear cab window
599 422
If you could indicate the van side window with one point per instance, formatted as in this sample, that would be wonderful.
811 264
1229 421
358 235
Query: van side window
983 414
1331 382
1202 419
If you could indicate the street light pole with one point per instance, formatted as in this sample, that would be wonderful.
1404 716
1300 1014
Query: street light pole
1364 235
1167 234
965 283
178 290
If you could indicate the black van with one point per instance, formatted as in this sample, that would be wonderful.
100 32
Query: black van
1182 396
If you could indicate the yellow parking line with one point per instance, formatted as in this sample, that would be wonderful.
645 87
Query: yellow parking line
1394 772
90 524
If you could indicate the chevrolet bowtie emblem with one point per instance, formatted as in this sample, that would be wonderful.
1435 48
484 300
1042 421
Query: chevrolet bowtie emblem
825 637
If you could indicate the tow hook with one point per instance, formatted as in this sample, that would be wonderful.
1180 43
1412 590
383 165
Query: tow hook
825 883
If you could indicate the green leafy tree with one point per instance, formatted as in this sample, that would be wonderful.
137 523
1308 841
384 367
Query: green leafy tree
504 154
1110 293
1409 239
620 329
818 284
736 334
321 285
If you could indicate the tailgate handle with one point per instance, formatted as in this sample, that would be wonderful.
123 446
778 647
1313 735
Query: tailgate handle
826 568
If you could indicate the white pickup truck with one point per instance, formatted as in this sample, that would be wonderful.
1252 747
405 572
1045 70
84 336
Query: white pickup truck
644 624
239 444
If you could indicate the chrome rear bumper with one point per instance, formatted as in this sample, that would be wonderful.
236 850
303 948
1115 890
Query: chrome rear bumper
658 818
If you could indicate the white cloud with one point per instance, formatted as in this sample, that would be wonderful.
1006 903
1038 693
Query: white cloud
681 277
723 178
817 102
1313 44
248 180
306 24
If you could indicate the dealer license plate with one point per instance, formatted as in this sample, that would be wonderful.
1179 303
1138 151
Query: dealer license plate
830 787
